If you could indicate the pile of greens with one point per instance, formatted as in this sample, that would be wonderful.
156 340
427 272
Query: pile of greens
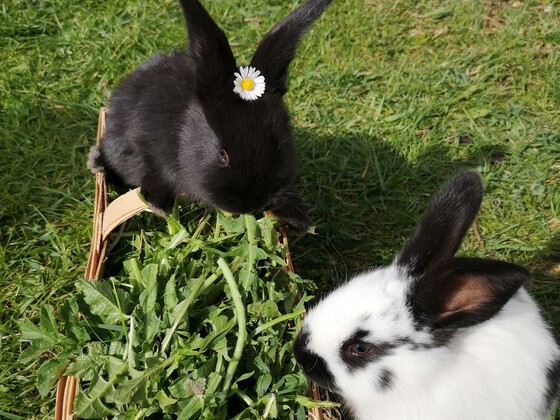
198 323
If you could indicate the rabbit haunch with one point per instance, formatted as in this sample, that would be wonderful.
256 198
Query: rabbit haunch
433 336
177 128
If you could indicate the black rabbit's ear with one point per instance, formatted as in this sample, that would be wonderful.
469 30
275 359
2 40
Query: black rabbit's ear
443 226
278 48
210 49
461 292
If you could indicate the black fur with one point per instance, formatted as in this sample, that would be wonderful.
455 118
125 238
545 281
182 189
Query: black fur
449 293
553 385
491 284
385 379
313 365
283 39
170 119
414 345
441 230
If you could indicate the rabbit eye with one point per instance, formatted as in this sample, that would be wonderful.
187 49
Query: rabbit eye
224 158
360 349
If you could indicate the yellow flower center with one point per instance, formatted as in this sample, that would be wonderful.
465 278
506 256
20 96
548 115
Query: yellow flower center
248 84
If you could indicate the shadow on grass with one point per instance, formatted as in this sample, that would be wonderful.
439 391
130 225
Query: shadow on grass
365 199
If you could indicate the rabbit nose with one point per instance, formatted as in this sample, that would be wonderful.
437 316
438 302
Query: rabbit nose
313 365
316 368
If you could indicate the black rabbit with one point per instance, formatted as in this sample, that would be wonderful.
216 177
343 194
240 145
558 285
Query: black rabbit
193 124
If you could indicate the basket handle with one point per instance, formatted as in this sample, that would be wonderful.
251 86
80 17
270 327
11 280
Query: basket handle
121 209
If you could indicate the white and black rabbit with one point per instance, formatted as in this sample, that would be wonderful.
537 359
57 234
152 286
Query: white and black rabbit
433 336
177 128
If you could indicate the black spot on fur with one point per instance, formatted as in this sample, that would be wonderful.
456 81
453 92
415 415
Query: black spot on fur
553 384
313 365
404 341
359 334
385 379
437 341
302 339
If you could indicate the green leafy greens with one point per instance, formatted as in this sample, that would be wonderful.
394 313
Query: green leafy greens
199 323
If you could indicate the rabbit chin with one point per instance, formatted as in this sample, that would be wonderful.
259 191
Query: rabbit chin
470 375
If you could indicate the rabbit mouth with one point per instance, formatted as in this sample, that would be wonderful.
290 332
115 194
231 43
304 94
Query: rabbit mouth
237 208
237 202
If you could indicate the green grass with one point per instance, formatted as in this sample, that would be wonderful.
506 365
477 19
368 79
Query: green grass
389 98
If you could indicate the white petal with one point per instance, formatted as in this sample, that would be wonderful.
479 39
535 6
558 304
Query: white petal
254 73
258 83
258 91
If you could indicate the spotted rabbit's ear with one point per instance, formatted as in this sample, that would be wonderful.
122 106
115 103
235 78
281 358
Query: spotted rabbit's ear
278 48
455 292
443 226
461 292
208 46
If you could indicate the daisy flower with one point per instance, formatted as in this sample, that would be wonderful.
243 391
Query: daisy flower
249 84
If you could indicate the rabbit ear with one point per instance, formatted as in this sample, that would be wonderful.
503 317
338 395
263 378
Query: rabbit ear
443 226
462 292
210 49
278 48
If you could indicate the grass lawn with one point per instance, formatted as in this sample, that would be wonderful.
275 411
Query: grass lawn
389 98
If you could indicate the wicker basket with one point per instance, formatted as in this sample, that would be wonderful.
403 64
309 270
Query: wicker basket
106 217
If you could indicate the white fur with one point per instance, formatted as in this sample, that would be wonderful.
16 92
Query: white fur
93 157
491 371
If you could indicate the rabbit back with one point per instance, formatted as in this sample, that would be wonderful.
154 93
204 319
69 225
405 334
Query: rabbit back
145 114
